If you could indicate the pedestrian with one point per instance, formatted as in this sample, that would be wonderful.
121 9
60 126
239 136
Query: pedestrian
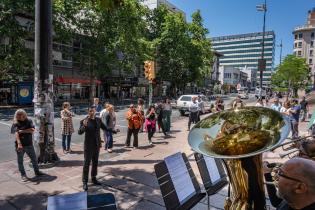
91 126
23 130
193 112
260 102
140 108
304 108
66 127
238 103
110 123
285 108
159 113
103 114
219 104
135 121
201 107
150 123
167 115
294 117
276 105
98 106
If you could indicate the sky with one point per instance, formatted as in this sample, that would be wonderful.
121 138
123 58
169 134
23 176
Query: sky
228 17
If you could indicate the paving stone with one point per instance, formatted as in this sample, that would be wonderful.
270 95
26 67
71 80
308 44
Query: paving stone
146 205
30 201
13 188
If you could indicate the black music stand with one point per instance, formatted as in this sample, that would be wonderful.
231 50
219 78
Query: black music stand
210 186
168 191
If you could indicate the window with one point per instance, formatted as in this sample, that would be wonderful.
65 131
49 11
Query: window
299 53
300 44
311 52
295 45
186 98
312 43
295 36
312 35
310 61
300 36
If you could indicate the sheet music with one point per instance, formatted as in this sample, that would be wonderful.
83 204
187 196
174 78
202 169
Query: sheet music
180 177
76 201
212 169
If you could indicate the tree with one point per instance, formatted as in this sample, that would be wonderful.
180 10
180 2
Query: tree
201 58
293 73
16 60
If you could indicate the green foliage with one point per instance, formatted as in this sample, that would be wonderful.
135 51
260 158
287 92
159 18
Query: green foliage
16 61
182 50
293 73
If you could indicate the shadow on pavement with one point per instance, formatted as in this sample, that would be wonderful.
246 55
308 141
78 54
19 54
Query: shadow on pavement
27 201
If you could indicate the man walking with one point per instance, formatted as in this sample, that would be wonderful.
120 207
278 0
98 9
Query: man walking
23 129
193 112
304 108
91 126
294 116
276 105
135 120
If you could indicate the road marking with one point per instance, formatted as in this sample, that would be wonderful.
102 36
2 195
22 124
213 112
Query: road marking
7 124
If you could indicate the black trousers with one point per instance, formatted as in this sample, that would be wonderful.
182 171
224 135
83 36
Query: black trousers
193 118
161 124
90 155
151 132
135 136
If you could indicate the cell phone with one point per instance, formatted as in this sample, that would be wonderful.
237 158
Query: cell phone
271 165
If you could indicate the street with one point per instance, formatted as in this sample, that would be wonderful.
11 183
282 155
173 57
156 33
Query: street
7 141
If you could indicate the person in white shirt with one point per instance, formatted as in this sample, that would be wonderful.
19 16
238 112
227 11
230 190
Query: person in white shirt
193 112
276 105
167 115
201 107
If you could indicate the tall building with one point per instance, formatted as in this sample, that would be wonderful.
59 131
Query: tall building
304 37
244 51
153 4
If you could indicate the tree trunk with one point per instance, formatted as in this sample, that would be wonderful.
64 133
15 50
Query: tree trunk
43 84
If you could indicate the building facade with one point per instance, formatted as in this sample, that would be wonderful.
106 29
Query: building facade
232 76
153 4
244 51
304 38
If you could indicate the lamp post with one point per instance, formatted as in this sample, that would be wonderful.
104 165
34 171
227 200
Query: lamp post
262 61
280 45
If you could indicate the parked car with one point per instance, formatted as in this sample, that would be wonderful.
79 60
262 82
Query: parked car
184 102
243 93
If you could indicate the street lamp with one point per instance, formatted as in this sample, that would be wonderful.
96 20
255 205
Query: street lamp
262 61
280 45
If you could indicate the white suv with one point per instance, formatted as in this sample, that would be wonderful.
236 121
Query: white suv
184 102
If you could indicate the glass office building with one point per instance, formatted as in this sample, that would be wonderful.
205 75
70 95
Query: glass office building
243 51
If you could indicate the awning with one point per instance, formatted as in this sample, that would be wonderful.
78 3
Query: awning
68 80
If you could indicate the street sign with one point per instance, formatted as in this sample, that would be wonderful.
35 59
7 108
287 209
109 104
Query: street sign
262 64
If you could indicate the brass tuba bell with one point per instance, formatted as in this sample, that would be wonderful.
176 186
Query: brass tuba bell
239 137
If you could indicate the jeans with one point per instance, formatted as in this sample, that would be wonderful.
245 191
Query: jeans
66 140
135 135
91 154
168 114
29 150
109 140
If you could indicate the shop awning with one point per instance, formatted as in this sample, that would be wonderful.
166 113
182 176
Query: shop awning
68 80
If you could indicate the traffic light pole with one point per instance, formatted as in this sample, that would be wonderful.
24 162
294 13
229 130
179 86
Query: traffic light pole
43 85
150 92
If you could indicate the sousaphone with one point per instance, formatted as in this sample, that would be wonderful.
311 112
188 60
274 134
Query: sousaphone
239 137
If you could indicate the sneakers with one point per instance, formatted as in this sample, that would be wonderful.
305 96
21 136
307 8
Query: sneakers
24 178
96 182
39 173
85 186
150 142
109 150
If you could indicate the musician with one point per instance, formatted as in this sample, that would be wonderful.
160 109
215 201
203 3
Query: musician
91 126
296 185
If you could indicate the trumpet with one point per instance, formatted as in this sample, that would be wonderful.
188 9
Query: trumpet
292 142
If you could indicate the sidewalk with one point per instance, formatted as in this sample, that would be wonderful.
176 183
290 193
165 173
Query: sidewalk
127 173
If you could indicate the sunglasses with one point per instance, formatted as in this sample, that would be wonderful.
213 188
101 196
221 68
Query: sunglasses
280 173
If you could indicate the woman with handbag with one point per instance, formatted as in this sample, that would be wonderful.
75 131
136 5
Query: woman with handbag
150 123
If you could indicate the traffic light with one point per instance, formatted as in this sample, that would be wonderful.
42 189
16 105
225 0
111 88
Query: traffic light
149 70
147 67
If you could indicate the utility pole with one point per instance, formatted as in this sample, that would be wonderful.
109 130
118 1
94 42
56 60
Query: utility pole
281 51
43 84
262 61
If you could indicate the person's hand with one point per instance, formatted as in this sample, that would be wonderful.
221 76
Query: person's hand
85 122
20 131
19 147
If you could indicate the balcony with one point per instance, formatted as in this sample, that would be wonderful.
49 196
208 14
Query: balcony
304 28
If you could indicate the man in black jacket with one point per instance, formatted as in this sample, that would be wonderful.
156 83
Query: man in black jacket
296 185
91 126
